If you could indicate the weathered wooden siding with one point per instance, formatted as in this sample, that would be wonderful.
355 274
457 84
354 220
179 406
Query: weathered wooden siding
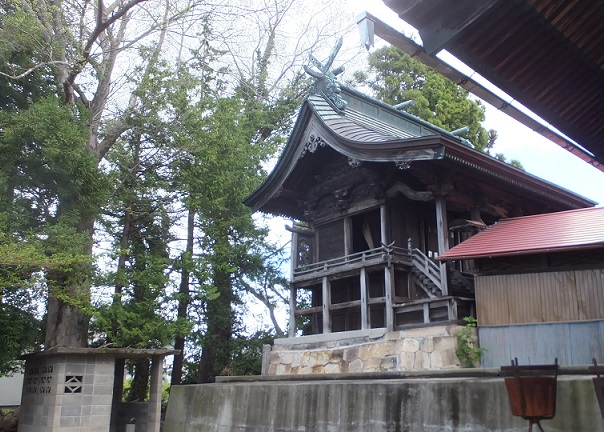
540 297
574 343
537 317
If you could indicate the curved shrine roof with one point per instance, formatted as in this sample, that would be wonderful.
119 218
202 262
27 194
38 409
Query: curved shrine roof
368 130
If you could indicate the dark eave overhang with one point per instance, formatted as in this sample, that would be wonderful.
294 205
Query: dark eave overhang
285 164
546 54
408 46
519 179
438 146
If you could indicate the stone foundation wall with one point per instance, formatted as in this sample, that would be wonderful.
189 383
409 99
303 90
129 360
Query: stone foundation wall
375 350
372 405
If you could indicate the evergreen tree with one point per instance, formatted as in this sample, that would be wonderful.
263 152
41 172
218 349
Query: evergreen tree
395 77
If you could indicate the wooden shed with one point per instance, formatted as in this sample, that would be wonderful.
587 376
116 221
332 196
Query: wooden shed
539 287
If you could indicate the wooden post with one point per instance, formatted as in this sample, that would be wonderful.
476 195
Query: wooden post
364 306
475 214
294 256
384 225
388 286
452 308
293 327
326 304
347 236
442 231
426 310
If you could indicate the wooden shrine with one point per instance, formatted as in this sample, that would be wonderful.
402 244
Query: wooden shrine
376 195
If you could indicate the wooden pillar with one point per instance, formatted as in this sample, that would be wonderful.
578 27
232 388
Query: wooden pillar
475 214
442 231
294 256
326 304
293 327
384 225
388 288
364 305
347 236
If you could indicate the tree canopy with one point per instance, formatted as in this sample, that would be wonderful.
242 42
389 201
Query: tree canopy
394 77
130 132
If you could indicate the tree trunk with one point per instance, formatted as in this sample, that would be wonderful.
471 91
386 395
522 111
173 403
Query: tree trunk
183 301
66 322
216 352
140 381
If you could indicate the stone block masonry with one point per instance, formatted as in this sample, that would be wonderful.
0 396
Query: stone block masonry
72 390
427 348
67 393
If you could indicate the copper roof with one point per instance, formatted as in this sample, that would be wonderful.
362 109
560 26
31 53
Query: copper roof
547 54
380 126
550 232
369 130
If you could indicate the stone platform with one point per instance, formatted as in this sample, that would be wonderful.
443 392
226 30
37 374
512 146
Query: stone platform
454 401
375 350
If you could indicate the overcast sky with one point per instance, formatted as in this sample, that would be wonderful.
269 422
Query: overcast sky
538 155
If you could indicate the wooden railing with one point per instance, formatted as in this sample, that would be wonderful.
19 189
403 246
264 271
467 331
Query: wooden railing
412 257
428 267
449 308
358 259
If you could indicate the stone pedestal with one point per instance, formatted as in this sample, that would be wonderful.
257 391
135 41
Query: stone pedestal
72 390
375 350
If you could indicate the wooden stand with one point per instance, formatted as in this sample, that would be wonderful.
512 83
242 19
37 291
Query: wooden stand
598 384
532 391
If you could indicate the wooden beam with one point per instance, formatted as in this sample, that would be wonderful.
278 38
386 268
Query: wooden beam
345 305
347 235
326 304
384 225
293 328
364 305
388 288
475 214
426 310
442 231
294 256
309 311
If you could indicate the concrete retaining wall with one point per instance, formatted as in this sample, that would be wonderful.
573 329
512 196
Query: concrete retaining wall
371 405
426 348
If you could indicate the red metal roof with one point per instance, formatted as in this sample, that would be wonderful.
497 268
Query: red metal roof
550 232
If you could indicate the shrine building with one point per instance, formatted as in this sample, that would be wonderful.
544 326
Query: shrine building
376 195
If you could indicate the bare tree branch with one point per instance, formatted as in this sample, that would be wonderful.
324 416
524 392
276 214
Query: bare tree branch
34 68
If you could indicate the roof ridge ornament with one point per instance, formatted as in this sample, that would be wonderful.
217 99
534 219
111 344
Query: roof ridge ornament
326 83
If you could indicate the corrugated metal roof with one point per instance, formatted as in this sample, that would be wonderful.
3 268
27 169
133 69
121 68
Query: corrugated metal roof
550 232
356 126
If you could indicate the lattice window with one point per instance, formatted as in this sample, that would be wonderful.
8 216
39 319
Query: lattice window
73 384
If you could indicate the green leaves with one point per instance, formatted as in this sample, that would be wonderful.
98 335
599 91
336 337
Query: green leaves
395 77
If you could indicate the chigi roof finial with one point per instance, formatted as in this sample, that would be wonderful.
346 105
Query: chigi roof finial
327 83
